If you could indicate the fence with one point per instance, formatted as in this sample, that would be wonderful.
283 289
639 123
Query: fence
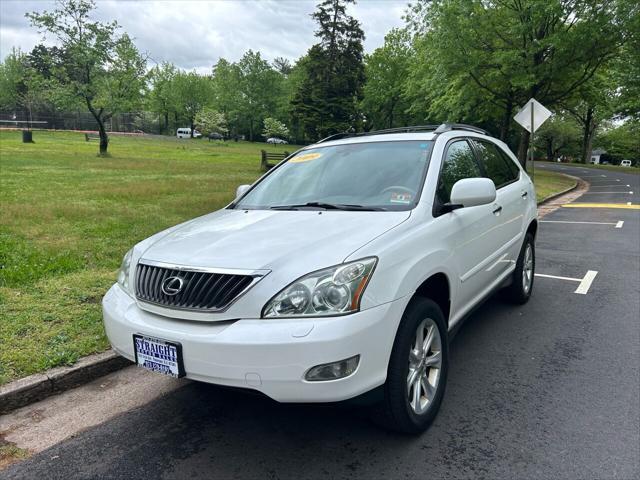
146 122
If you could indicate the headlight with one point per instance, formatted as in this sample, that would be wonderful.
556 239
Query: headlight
331 291
123 274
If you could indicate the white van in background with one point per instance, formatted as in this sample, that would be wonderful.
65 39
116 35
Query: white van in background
186 133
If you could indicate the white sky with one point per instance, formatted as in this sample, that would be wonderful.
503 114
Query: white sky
194 34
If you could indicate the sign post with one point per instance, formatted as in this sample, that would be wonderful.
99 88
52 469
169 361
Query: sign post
531 117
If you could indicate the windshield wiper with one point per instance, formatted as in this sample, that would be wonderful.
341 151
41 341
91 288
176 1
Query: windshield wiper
328 206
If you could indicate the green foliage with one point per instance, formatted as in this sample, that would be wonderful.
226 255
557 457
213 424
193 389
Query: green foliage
559 136
622 142
192 93
385 103
209 121
327 99
479 61
274 128
13 74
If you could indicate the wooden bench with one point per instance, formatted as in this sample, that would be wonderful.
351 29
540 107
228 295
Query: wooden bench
91 136
269 160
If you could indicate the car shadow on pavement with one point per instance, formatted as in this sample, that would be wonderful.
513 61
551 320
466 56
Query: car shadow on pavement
233 434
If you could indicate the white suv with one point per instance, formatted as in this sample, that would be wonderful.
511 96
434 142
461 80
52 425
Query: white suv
341 271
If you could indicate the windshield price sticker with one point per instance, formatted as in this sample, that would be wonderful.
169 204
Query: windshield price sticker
307 157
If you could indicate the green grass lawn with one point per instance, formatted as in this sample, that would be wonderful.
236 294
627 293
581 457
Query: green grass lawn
67 217
547 183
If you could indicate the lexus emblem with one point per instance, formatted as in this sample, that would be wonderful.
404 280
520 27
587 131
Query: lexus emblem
172 286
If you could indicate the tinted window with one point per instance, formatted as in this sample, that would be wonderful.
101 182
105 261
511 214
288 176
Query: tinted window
459 162
494 164
515 171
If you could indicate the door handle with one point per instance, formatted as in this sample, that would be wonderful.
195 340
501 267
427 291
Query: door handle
497 211
524 194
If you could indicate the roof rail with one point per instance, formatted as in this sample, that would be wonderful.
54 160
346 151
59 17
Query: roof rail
447 127
414 128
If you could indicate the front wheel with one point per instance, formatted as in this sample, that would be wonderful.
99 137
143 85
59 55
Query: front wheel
417 371
522 282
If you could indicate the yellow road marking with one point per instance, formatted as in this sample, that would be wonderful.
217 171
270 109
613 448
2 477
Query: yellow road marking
602 205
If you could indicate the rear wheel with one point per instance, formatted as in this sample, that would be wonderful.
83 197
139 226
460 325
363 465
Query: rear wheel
522 281
417 371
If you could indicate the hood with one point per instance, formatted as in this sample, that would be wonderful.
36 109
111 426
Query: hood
264 239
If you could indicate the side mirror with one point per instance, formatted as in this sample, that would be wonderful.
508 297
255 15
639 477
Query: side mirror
471 192
241 190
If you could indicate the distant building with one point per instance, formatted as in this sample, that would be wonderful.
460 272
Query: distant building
596 154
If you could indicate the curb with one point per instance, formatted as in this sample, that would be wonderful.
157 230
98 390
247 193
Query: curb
39 386
559 194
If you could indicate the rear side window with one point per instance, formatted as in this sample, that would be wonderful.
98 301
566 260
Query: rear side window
494 164
459 162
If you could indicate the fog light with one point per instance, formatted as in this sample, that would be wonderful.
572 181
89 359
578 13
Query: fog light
333 371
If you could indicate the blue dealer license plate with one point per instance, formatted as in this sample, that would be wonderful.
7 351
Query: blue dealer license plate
158 355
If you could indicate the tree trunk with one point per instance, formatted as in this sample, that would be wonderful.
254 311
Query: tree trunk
166 122
587 135
506 121
549 145
192 126
522 148
104 138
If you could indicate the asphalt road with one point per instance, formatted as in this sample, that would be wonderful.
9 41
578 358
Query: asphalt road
547 390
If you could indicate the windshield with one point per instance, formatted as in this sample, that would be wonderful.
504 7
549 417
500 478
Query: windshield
369 176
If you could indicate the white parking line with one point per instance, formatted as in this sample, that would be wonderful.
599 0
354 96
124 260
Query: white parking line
619 224
584 283
586 223
599 193
610 185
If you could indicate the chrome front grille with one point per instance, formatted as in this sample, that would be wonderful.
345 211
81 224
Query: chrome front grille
200 290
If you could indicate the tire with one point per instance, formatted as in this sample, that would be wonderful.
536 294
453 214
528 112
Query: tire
401 410
519 291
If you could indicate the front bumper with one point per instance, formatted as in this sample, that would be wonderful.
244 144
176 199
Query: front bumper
268 355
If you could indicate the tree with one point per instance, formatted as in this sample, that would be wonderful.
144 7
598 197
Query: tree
622 142
247 91
260 87
193 92
102 68
282 65
13 75
385 103
490 57
274 128
327 100
560 135
209 121
161 98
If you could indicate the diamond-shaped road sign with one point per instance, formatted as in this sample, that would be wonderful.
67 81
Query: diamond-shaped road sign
540 115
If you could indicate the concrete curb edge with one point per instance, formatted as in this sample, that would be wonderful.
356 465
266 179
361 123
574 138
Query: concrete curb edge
564 192
39 386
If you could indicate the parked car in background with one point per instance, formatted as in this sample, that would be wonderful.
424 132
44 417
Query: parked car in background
341 271
625 163
185 132
215 136
275 140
